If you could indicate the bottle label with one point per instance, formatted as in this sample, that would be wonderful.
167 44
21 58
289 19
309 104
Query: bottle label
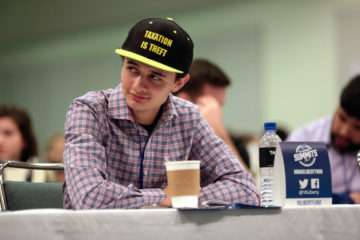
267 156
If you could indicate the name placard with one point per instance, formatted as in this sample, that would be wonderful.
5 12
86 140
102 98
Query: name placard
302 174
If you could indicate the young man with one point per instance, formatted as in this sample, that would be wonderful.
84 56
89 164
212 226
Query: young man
117 140
341 133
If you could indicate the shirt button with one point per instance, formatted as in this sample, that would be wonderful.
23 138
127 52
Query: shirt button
145 173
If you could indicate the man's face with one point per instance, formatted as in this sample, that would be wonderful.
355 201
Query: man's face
146 88
345 131
55 150
219 93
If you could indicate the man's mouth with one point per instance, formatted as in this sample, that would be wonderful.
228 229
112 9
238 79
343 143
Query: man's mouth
138 97
341 142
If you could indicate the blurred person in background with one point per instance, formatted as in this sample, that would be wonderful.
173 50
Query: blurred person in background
17 140
54 150
207 88
341 134
238 140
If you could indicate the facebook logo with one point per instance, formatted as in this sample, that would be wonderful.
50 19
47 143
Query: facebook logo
315 183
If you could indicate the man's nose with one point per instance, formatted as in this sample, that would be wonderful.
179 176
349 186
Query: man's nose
139 83
345 130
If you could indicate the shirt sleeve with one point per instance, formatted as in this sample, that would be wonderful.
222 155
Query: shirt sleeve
317 130
86 179
222 175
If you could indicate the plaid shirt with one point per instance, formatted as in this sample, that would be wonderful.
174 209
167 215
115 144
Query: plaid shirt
102 157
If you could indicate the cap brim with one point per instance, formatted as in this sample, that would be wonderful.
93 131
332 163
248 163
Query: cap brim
145 60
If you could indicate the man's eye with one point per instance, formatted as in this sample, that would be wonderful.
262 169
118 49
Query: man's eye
154 77
131 69
342 118
357 127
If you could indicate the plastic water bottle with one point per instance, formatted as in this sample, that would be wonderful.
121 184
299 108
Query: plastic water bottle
267 147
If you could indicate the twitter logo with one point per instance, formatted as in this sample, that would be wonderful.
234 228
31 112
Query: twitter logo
303 183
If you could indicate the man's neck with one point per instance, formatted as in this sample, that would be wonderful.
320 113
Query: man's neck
147 117
144 118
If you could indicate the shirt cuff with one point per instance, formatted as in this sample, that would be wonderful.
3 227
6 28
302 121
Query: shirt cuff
153 197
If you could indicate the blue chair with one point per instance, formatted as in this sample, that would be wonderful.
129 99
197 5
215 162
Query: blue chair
20 195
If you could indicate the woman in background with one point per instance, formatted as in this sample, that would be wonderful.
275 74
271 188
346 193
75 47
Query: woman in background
17 139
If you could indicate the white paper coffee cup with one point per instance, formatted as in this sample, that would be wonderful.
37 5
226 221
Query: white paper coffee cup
184 183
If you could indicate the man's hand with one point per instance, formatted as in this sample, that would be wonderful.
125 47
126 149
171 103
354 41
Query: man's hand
167 201
210 109
355 197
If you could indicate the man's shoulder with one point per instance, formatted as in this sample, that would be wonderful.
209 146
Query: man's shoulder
94 98
183 106
317 130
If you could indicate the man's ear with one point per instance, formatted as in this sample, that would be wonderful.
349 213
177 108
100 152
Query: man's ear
179 83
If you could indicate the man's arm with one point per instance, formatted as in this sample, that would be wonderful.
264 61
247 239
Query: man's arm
87 180
222 175
210 109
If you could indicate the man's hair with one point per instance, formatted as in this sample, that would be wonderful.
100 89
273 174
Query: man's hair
23 122
180 75
350 97
203 71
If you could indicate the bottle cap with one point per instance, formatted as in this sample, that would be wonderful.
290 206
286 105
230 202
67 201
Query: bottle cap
270 126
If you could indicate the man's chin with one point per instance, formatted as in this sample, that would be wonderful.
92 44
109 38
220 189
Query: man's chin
348 148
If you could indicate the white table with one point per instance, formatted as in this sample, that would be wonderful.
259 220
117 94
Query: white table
325 223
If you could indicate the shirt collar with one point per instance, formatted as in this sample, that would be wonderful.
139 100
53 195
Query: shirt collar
119 109
169 109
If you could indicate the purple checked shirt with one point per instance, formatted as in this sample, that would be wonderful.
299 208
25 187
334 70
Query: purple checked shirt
102 156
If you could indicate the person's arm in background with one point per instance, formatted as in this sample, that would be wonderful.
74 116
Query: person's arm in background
85 163
211 110
222 175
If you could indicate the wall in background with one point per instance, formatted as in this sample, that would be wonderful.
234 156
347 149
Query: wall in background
286 60
348 35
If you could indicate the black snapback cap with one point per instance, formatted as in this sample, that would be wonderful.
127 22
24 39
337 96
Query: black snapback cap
160 43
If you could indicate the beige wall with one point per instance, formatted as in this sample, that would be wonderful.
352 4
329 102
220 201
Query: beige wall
285 59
